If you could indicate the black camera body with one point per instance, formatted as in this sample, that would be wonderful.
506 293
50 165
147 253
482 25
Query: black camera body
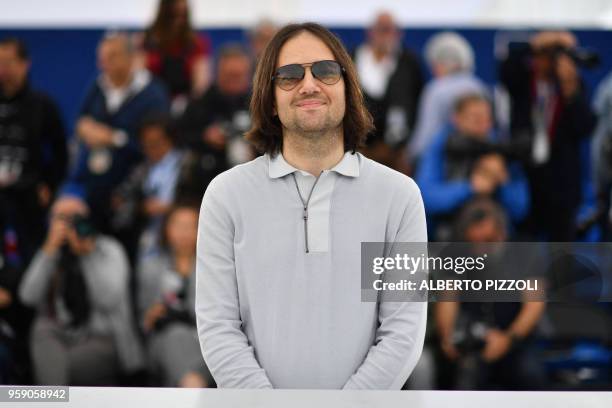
173 315
581 56
469 336
83 226
463 147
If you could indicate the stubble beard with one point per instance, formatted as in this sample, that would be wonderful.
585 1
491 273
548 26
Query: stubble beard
315 124
314 139
315 131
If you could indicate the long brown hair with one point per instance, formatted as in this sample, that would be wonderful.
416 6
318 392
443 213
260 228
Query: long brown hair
159 32
266 130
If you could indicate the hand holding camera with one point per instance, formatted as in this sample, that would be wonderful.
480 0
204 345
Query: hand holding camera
558 54
567 75
488 173
75 230
57 235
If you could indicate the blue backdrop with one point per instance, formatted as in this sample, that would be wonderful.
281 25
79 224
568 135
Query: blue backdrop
64 60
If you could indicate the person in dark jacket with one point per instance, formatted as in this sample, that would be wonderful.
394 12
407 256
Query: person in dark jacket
32 163
107 127
392 80
548 106
213 124
33 152
501 351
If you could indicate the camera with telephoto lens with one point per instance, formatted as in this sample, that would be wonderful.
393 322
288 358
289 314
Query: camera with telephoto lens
583 57
463 147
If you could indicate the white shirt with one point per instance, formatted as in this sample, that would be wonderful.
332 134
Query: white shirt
115 96
374 75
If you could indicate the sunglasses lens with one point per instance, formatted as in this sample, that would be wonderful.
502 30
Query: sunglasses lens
328 72
289 76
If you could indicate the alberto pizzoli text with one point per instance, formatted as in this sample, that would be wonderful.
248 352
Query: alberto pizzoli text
459 285
459 265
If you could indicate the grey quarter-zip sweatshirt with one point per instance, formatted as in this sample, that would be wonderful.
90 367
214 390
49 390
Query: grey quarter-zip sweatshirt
278 296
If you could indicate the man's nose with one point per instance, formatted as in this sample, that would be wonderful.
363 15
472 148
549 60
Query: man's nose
309 84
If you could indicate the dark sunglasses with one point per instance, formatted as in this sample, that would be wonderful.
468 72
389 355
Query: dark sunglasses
288 76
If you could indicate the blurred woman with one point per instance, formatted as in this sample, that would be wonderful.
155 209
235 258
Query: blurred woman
176 53
167 303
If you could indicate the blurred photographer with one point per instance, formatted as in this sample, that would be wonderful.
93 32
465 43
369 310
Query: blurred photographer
142 200
489 343
167 303
78 282
467 160
549 107
213 124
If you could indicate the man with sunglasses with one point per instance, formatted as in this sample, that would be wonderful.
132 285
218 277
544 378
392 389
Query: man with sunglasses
278 296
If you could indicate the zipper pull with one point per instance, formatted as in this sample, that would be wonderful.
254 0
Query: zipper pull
305 214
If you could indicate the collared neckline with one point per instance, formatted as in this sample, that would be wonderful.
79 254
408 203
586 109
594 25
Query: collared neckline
348 166
139 79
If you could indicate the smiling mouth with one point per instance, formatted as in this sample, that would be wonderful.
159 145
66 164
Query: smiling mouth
310 104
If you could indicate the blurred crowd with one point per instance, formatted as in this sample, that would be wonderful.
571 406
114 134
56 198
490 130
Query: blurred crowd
98 230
